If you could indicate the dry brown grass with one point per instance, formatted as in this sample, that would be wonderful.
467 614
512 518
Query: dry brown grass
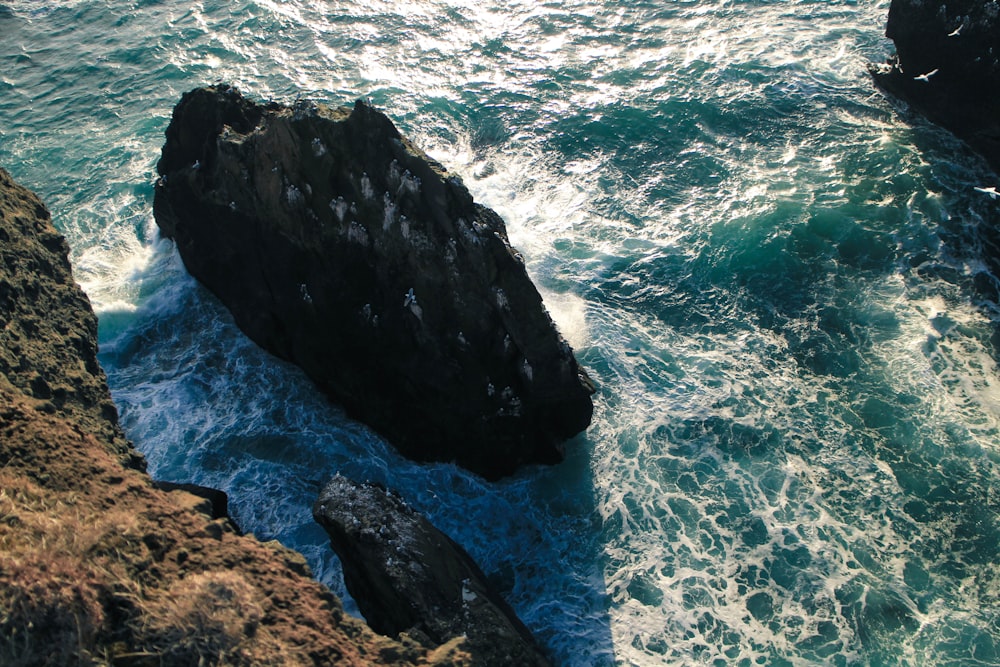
52 602
99 568
65 569
50 612
203 618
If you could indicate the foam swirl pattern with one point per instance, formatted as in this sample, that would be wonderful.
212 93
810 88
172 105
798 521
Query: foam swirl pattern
776 283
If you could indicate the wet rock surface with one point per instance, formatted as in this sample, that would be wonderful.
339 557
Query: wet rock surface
410 579
340 246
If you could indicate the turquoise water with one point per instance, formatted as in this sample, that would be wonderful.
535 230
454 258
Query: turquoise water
776 282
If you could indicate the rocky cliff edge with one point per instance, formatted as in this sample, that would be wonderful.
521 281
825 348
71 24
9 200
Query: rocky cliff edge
97 565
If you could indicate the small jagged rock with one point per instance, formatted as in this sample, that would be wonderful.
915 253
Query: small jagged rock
411 579
340 246
947 67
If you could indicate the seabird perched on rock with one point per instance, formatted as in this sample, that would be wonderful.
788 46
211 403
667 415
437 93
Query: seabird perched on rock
196 165
991 191
926 77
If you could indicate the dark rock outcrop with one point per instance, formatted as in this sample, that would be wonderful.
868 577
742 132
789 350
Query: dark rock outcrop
340 246
98 566
410 579
947 67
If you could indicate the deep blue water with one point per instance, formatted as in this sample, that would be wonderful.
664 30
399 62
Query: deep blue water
771 275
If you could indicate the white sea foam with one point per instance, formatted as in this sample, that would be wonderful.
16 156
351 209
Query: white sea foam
795 436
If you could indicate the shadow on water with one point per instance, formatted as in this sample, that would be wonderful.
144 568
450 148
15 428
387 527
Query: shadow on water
970 232
207 406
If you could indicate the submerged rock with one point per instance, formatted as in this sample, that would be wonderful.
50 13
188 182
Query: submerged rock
410 579
947 67
340 246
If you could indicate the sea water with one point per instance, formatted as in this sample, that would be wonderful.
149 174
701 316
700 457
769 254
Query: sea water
775 278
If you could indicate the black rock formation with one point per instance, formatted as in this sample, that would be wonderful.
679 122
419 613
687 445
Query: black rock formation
341 247
947 67
410 578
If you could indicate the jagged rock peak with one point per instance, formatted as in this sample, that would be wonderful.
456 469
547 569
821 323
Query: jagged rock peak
340 246
411 579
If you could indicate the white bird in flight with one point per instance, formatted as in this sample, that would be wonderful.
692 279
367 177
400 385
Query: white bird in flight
956 31
991 191
926 77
